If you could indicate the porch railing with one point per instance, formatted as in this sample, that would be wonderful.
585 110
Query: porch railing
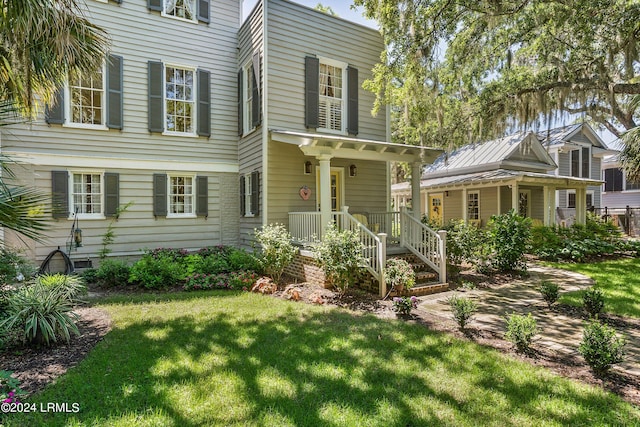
426 244
386 222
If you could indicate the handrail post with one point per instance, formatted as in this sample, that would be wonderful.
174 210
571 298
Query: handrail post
343 219
403 211
443 255
382 262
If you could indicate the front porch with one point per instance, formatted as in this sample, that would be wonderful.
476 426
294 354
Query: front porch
382 234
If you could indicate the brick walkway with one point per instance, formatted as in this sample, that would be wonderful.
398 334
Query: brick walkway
558 332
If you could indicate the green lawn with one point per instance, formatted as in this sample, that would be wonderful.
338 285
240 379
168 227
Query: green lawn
618 279
223 358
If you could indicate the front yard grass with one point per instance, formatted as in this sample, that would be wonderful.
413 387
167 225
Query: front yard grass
618 279
227 358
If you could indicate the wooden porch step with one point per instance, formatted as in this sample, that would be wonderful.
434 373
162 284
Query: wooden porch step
428 289
425 276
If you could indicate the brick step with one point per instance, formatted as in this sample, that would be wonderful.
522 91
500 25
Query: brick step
425 276
428 289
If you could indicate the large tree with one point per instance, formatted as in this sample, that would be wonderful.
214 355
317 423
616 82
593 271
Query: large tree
42 42
467 69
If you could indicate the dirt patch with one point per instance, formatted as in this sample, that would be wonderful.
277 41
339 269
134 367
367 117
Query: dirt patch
37 367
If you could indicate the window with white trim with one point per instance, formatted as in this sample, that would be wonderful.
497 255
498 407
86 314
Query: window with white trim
181 9
473 205
248 191
581 162
248 81
179 100
332 96
571 199
86 105
181 195
86 194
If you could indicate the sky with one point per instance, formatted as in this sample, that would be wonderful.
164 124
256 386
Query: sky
341 7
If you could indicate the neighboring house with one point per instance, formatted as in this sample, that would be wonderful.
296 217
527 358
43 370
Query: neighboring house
478 181
620 197
213 129
578 151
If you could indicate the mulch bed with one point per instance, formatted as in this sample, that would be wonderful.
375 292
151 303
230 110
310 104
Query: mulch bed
37 367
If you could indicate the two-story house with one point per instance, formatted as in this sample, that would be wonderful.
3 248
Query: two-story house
212 128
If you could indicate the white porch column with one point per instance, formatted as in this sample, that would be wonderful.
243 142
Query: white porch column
552 205
465 211
546 203
416 202
499 198
325 191
581 205
514 196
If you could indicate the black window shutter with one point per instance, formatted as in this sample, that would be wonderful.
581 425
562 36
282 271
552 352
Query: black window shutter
54 114
242 194
202 196
586 160
111 194
255 193
256 101
352 100
617 179
60 194
311 91
608 179
154 5
204 103
114 92
203 11
159 194
156 87
240 102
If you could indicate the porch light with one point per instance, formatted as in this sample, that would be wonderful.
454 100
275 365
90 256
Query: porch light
353 170
446 194
307 167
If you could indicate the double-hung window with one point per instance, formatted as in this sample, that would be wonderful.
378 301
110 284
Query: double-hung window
179 100
182 9
473 205
332 96
181 195
86 194
249 87
86 105
581 162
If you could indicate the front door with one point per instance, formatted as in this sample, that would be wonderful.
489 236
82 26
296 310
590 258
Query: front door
335 191
435 208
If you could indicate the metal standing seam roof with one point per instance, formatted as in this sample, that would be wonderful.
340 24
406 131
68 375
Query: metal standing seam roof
559 135
489 152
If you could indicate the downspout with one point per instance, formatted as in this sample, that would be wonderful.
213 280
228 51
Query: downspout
265 113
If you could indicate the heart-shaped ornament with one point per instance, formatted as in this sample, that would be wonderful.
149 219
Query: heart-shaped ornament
305 192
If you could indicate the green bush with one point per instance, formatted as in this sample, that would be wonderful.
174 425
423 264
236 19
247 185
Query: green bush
601 347
463 309
42 313
521 330
509 236
340 256
399 272
13 267
404 305
277 249
550 292
10 391
465 243
158 270
212 264
593 301
90 275
113 272
241 260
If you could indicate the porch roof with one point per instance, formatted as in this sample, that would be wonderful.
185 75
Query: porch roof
498 177
314 144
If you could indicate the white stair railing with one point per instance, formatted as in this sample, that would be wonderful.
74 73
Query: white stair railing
425 243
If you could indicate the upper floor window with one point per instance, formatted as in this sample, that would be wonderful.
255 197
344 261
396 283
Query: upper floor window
183 9
248 93
86 104
179 100
581 162
331 106
473 205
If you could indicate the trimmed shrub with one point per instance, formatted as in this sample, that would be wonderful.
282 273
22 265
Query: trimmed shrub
601 347
550 292
113 272
277 249
399 272
42 313
463 309
509 236
157 270
465 243
593 301
340 256
212 264
521 330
